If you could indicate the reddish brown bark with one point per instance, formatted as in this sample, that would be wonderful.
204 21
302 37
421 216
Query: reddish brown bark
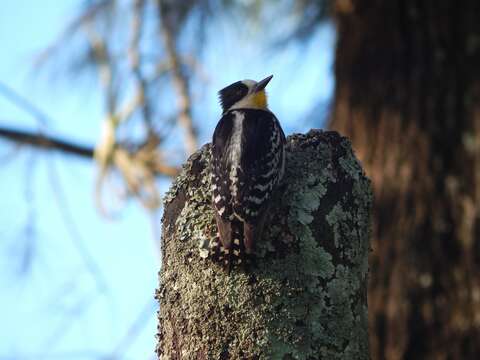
408 96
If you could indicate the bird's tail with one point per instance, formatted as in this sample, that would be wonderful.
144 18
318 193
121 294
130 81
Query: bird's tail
237 251
231 252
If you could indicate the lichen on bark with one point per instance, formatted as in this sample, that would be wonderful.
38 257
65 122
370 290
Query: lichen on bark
304 297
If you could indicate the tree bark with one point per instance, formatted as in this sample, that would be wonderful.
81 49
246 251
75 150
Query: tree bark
304 294
408 95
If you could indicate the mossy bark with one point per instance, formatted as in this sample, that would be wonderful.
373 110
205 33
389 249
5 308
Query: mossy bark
305 295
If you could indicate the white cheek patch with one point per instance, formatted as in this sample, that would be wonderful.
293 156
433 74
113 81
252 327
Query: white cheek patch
249 83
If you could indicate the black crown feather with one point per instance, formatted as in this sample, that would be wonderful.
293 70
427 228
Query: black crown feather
231 94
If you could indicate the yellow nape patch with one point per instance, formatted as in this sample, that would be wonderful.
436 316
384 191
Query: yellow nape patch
259 99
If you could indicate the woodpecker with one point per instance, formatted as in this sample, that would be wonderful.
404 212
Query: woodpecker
248 162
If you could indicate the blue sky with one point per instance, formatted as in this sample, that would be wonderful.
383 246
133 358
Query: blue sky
74 284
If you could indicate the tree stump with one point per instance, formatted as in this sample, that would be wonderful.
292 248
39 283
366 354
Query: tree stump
305 294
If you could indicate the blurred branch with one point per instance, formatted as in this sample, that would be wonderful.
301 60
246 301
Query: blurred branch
29 239
23 104
64 327
46 142
56 144
78 242
87 15
140 322
180 81
135 60
129 79
101 56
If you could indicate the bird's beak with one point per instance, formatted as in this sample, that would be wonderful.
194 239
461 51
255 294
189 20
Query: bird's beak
261 85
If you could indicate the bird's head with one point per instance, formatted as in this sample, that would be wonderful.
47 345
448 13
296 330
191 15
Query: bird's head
245 94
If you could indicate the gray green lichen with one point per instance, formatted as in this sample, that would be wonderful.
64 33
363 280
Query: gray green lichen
305 296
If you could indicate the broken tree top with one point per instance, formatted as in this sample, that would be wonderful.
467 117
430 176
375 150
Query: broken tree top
303 296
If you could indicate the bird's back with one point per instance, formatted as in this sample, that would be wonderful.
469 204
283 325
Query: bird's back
248 162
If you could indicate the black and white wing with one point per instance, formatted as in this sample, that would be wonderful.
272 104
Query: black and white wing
221 183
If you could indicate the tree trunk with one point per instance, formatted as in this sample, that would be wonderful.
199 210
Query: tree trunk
408 96
304 294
